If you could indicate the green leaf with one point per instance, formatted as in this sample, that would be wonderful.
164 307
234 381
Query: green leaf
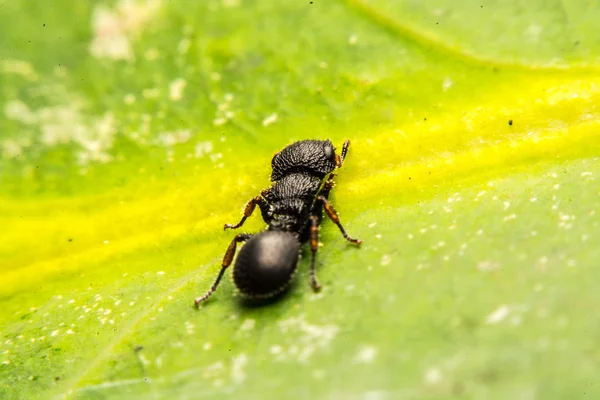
132 130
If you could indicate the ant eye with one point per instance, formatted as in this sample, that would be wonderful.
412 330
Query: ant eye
329 151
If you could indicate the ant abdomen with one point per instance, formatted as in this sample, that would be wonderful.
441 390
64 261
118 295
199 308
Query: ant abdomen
266 264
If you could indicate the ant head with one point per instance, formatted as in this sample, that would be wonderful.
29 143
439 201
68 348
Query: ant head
266 264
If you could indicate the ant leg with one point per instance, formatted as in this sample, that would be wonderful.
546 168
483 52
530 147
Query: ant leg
314 244
328 185
262 204
227 259
332 214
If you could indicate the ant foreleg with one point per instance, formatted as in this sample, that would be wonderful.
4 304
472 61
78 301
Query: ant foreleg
314 245
262 204
227 259
332 214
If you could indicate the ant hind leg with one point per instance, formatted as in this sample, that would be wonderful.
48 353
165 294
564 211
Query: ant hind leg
227 259
314 245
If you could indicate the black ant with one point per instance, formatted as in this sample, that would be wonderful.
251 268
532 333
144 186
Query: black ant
292 208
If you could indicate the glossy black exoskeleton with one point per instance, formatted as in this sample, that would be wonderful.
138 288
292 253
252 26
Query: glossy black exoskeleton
292 207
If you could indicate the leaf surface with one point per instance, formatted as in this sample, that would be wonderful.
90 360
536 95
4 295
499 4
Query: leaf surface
132 130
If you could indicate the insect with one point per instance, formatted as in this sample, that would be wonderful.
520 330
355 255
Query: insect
292 208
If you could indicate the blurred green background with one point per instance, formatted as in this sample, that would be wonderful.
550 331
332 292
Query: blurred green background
132 130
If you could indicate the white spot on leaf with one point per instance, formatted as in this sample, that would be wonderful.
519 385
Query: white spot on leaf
203 148
237 368
488 265
497 315
366 355
248 324
176 89
270 120
433 376
307 339
447 84
113 28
